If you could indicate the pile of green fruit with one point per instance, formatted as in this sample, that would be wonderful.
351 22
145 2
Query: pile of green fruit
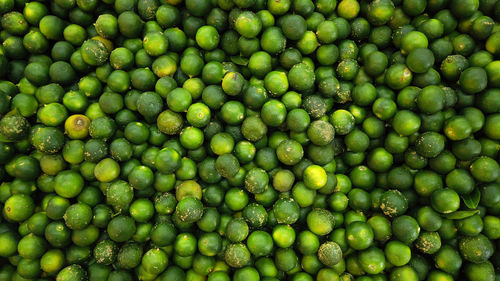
247 140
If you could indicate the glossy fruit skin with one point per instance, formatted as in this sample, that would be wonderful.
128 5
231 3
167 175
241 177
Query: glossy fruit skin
359 235
249 140
18 208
